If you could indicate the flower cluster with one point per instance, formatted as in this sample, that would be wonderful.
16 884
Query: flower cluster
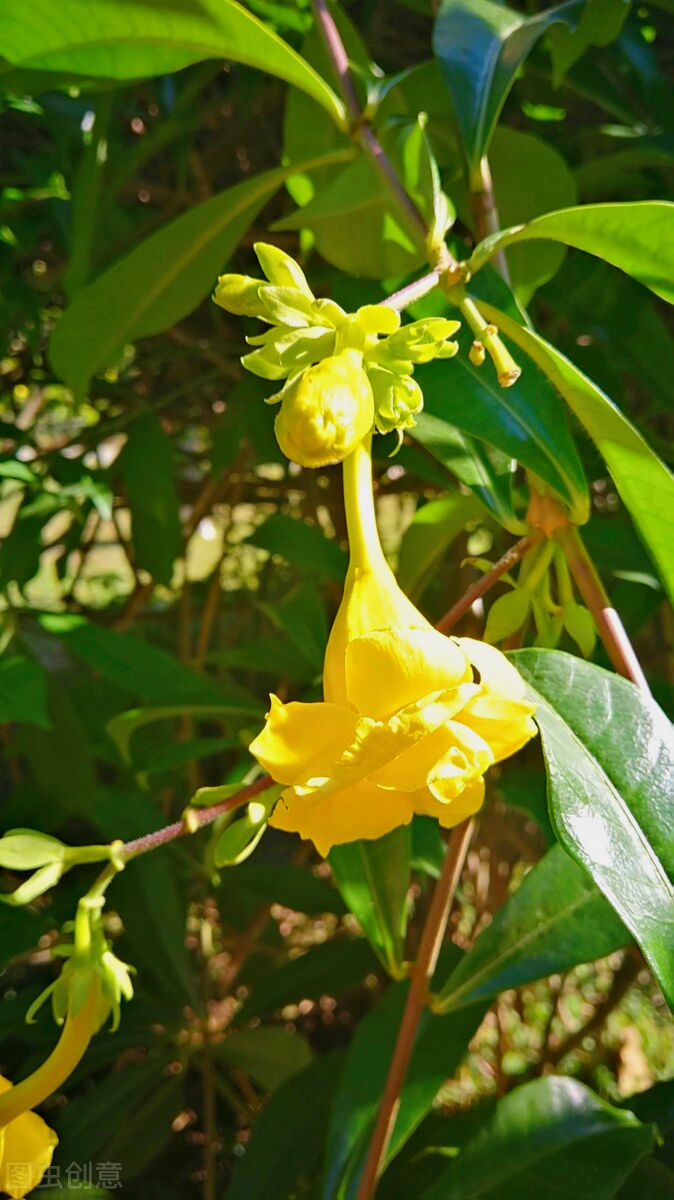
411 720
346 373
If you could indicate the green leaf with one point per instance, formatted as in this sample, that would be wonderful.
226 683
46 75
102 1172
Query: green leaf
122 727
289 1134
305 546
642 479
487 472
159 282
374 879
269 1054
23 692
553 1130
440 1045
146 463
480 46
328 969
610 794
638 238
525 421
293 887
131 664
507 615
129 39
356 224
430 534
600 23
555 920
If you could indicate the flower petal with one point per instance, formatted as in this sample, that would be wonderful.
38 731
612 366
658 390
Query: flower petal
467 802
299 736
392 668
363 811
499 713
498 677
27 1149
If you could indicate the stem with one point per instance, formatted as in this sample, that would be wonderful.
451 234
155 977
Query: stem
507 369
340 59
361 521
609 626
421 974
485 212
414 291
200 818
77 1032
482 586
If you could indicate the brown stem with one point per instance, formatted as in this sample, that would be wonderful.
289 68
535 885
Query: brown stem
200 818
485 213
482 586
421 974
414 291
609 626
340 59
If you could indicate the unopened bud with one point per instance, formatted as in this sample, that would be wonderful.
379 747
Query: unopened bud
477 353
326 412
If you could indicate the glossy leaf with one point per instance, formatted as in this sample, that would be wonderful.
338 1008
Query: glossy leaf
159 282
525 421
644 482
553 1130
374 878
146 463
638 238
480 46
293 887
129 39
555 920
610 796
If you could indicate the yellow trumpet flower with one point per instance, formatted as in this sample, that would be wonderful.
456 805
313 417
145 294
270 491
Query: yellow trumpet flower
411 719
26 1141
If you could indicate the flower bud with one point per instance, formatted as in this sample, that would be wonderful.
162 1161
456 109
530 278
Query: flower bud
325 412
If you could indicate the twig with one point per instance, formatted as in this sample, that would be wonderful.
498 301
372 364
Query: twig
481 586
609 625
421 974
485 212
199 818
414 291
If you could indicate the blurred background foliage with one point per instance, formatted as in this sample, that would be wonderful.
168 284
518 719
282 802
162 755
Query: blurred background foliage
163 568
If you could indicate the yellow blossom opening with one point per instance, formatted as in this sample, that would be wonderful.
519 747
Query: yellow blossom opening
411 719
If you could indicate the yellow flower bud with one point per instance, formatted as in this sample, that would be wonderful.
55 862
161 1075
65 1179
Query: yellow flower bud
326 412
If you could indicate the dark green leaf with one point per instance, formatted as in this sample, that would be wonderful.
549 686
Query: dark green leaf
552 1133
289 1134
487 472
270 1054
610 795
146 464
23 692
525 421
555 920
305 546
441 1043
374 879
325 970
642 479
480 46
293 887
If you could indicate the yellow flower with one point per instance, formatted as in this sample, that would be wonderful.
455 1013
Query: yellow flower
26 1141
326 411
411 719
26 1148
